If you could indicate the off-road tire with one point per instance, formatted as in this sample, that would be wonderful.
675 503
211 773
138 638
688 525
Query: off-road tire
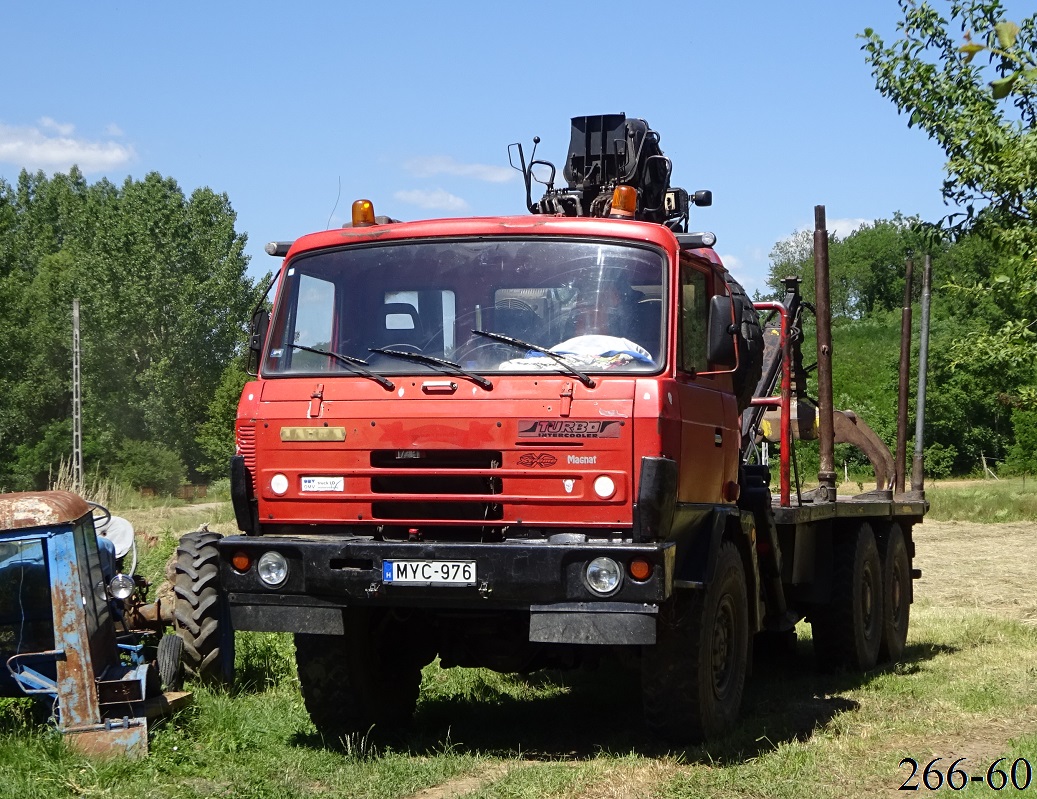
896 595
693 677
847 630
368 677
197 612
170 660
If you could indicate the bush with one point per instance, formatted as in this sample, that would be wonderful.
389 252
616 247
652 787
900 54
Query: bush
1022 457
145 464
939 460
219 490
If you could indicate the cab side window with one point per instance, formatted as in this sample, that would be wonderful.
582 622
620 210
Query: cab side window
694 312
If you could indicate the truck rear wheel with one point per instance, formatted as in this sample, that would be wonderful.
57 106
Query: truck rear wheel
197 610
370 676
693 677
896 595
848 629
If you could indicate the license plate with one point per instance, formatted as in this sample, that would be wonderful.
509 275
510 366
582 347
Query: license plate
428 572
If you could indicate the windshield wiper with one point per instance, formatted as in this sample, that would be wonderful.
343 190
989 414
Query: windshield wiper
356 364
518 343
448 366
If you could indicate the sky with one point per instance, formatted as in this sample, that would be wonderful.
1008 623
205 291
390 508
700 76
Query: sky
294 110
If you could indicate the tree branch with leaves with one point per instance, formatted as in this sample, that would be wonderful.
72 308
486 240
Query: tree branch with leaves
970 82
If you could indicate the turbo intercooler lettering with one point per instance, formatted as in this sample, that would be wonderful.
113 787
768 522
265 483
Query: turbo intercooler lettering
554 428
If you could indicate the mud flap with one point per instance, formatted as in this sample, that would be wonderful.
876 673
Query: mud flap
616 623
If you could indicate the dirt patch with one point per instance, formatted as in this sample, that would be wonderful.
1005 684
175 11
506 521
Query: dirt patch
466 784
633 781
986 567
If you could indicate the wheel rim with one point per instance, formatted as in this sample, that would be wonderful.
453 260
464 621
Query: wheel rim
721 649
867 599
870 623
896 597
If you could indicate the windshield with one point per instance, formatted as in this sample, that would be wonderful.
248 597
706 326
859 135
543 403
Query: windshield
597 305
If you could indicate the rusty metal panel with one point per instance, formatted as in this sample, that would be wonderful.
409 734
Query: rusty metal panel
97 618
40 509
127 737
77 691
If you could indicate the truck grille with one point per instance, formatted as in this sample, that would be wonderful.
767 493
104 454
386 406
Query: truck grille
424 474
246 444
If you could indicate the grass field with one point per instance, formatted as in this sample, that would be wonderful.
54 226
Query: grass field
967 689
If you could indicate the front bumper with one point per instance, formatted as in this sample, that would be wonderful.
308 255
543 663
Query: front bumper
329 573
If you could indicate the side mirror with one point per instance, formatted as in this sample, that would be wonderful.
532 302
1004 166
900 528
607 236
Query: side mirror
720 346
543 172
258 329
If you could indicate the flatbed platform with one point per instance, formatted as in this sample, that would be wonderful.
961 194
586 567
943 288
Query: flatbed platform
874 505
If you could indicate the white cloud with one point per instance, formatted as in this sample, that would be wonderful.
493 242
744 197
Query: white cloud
432 199
34 148
113 130
732 262
61 128
445 165
748 277
842 227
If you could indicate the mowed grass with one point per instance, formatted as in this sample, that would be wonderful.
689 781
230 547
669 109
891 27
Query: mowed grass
1011 499
967 688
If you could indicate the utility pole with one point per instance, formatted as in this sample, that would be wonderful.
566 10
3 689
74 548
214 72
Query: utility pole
77 407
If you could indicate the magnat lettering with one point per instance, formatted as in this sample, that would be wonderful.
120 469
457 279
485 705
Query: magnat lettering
581 460
554 428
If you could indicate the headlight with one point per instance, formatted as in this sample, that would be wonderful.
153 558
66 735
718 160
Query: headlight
279 484
272 568
603 576
121 586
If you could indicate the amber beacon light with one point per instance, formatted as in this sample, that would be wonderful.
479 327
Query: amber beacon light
624 202
363 213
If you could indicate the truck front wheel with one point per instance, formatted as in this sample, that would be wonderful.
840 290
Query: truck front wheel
198 611
693 677
370 676
848 629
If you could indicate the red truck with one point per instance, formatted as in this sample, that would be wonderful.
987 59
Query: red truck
527 442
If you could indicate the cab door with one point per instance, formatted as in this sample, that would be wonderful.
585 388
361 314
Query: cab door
709 416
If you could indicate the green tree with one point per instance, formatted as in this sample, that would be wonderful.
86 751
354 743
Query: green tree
970 82
216 435
973 383
1022 459
866 269
164 300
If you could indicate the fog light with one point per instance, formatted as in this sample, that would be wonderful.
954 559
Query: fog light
272 568
121 586
278 484
603 576
604 486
